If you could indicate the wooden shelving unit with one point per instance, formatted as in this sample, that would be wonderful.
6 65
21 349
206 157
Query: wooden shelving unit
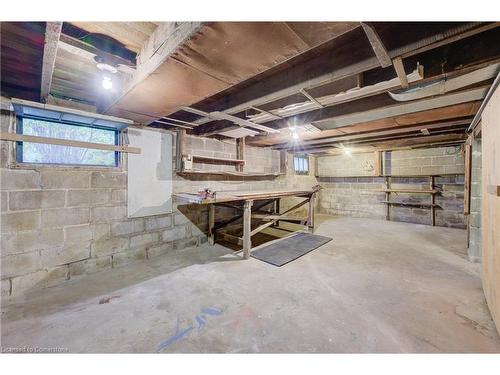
239 162
432 191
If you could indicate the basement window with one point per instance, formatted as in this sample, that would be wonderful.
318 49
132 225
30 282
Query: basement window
301 164
41 153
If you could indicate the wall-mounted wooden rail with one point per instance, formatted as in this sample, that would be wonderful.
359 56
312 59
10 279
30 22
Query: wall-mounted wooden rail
216 159
14 137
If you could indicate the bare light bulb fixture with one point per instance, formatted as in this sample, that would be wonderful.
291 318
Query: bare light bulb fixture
107 83
347 151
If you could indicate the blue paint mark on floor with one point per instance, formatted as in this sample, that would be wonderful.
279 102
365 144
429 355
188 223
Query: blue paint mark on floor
201 319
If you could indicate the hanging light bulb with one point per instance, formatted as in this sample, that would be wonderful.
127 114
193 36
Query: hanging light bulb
107 83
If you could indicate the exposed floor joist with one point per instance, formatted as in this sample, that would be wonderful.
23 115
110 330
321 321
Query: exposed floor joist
342 72
377 45
52 34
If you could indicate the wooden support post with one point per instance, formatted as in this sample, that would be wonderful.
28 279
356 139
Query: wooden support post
378 163
433 201
211 222
180 145
240 153
283 161
276 210
468 175
310 213
387 198
247 228
400 71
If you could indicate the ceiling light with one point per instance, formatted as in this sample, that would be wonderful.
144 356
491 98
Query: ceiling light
347 151
295 135
107 83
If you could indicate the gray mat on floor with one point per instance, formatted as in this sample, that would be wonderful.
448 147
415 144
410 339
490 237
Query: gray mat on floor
284 251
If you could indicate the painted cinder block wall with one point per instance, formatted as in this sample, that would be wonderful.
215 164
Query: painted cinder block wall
349 187
58 223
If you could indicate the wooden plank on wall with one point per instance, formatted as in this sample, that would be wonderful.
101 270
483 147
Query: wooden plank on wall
65 142
377 156
490 210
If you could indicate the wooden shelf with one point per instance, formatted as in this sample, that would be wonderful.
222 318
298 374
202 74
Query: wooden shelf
396 176
228 173
409 191
216 159
412 204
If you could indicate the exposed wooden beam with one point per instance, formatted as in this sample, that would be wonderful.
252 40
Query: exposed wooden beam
338 72
433 140
400 71
377 139
162 43
458 111
436 41
377 45
236 120
52 34
392 131
311 98
402 109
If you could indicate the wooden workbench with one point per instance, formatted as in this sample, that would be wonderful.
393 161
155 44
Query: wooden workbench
225 198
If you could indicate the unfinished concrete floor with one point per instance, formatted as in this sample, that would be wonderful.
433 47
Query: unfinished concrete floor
377 287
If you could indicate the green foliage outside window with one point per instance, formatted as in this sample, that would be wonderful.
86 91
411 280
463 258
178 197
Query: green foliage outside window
56 154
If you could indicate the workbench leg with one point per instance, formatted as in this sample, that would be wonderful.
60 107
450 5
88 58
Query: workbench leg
211 223
276 211
247 228
310 213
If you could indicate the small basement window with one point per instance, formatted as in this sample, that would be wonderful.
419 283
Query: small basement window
28 152
301 164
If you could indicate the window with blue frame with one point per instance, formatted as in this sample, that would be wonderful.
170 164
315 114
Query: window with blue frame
301 164
28 152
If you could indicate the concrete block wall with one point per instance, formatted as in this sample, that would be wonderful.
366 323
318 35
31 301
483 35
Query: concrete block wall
424 161
352 196
357 196
60 222
342 165
475 242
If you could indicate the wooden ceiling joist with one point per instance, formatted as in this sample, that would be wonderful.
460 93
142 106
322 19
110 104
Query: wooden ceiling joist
235 120
418 141
52 34
450 113
402 109
341 72
377 45
455 124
